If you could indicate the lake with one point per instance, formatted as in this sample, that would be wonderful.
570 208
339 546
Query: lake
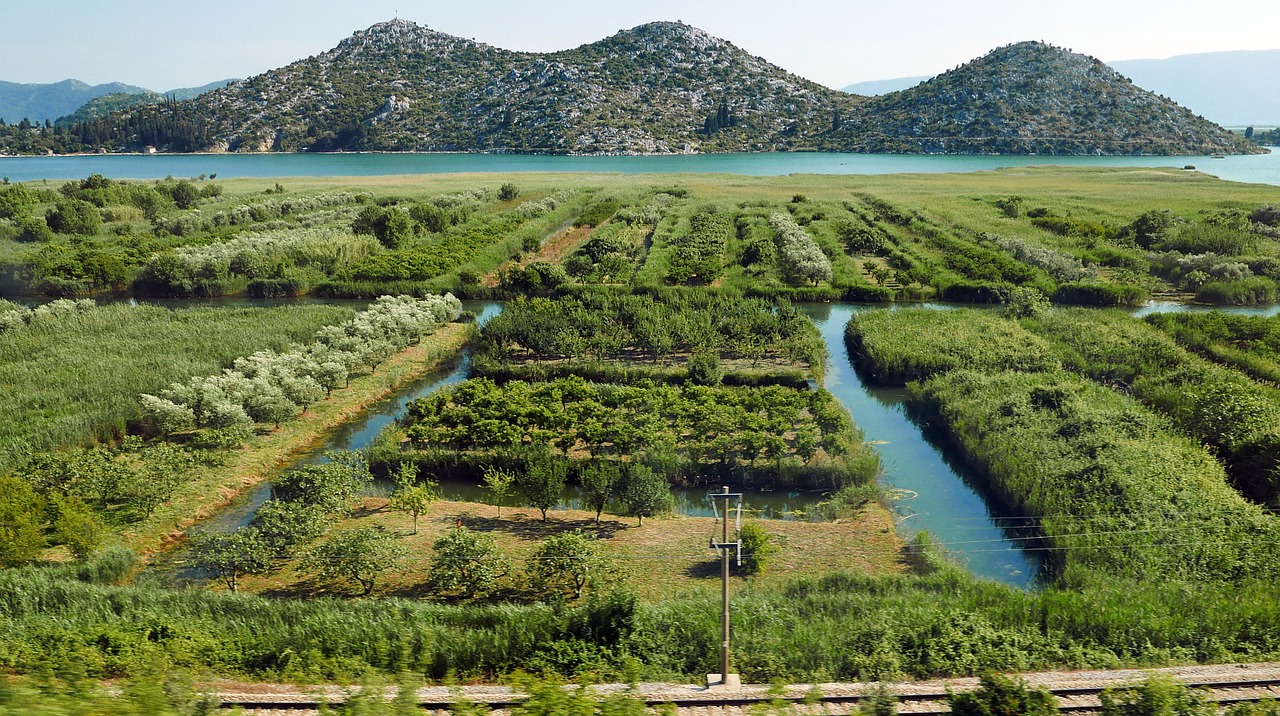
1262 169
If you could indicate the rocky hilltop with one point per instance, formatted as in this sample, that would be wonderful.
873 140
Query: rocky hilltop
663 87
1033 98
400 86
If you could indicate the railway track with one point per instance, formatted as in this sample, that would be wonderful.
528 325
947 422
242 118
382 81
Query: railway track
1077 692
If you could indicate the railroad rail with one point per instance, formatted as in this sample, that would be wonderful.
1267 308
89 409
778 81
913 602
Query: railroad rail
1076 692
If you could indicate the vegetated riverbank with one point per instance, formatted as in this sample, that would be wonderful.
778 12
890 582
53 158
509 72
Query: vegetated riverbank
264 454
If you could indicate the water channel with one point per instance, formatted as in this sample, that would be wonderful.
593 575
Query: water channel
934 490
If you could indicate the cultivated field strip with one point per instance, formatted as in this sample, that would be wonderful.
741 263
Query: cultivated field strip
1077 692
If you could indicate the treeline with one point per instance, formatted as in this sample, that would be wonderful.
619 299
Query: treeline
658 325
768 435
269 387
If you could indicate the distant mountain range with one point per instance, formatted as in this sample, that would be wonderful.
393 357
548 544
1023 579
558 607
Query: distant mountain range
40 102
662 87
1231 88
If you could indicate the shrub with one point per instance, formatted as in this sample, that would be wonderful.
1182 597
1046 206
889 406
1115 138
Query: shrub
998 695
1157 696
758 548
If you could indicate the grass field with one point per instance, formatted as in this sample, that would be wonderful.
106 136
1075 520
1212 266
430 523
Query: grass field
659 560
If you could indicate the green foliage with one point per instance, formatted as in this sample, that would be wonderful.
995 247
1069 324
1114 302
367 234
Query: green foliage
1116 488
231 556
21 522
76 526
644 493
499 483
894 347
599 481
999 694
696 257
508 192
1157 696
331 486
799 255
718 430
81 374
543 482
412 496
74 217
611 326
598 212
284 525
466 565
358 555
704 368
565 564
1248 343
878 700
269 387
1216 406
758 548
390 225
1025 302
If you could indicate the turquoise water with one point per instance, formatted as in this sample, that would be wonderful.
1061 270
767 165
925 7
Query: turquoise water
1263 169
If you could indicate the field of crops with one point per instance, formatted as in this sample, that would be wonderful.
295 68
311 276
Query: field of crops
649 341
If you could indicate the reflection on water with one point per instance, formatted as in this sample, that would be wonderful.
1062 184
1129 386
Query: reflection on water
936 490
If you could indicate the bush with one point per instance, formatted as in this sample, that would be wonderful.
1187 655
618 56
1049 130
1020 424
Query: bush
704 368
565 564
758 548
1099 294
1243 292
74 216
998 695
1157 696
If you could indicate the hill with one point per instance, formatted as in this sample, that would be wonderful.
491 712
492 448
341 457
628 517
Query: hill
1229 88
119 101
879 87
1033 98
40 102
660 87
663 87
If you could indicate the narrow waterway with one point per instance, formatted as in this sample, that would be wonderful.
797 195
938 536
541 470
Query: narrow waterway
934 489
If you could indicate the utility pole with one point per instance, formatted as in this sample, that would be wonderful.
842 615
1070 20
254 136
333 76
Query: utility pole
726 680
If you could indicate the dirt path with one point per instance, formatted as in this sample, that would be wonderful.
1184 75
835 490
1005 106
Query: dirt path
554 251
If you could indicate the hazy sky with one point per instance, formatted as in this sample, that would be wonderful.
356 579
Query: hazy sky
167 44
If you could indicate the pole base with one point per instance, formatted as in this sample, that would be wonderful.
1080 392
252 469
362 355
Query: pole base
723 681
